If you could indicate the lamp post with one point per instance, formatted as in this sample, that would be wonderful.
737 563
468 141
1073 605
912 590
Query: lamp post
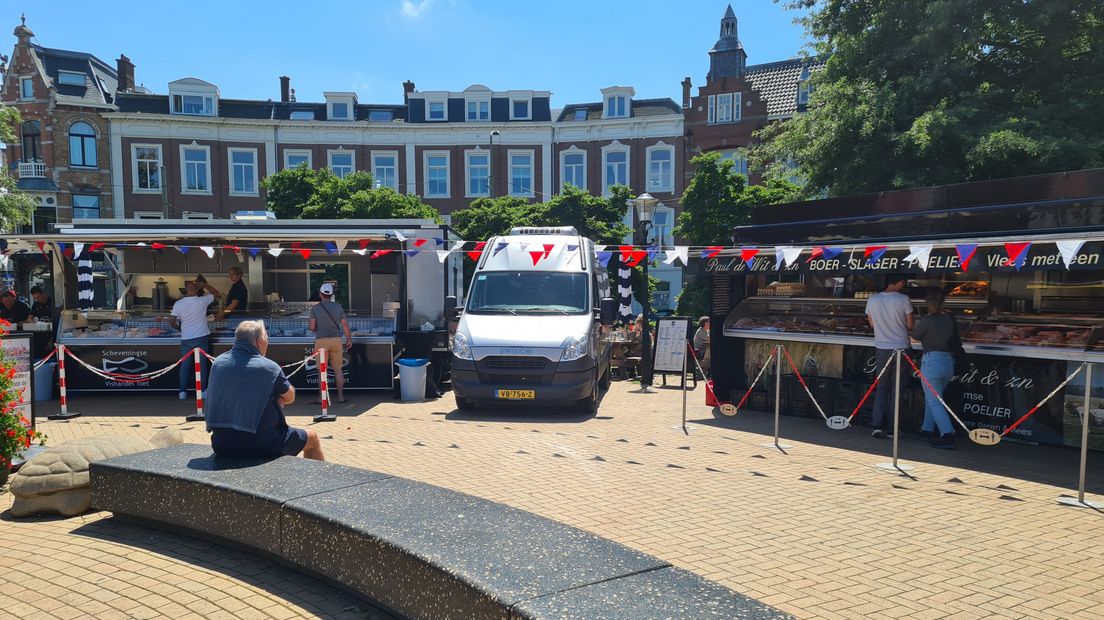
490 164
645 208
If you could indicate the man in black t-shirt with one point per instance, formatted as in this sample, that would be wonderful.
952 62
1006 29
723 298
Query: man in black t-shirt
238 297
11 309
42 308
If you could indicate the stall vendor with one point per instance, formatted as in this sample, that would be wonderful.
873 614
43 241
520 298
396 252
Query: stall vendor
237 298
43 307
11 309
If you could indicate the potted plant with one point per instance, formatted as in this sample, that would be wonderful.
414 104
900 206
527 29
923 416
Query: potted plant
15 430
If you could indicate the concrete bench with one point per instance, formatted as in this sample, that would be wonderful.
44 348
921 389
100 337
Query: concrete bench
417 550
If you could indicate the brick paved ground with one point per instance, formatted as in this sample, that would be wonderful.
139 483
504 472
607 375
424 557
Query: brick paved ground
817 531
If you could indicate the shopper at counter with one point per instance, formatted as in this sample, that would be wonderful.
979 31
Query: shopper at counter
938 335
245 400
12 309
190 315
890 314
327 321
237 298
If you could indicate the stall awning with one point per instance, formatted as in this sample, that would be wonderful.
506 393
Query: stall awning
285 230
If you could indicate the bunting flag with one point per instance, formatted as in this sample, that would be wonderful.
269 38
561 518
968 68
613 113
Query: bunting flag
78 249
379 253
919 254
966 253
95 247
478 251
439 241
680 253
84 285
361 251
399 236
208 250
626 251
304 252
418 243
363 245
748 256
41 246
66 250
183 249
603 258
232 248
340 245
711 251
442 255
1069 249
874 253
634 258
1017 253
275 251
158 246
253 252
537 255
787 254
624 293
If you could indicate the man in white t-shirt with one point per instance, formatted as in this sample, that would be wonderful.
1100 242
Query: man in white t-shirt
190 315
890 314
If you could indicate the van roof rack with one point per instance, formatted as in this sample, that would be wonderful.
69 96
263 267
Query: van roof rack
544 230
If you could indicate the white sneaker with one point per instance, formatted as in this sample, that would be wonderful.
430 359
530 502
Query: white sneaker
183 396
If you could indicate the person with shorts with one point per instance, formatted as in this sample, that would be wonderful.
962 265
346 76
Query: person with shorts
245 402
328 322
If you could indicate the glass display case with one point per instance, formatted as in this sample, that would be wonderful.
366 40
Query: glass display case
100 326
283 329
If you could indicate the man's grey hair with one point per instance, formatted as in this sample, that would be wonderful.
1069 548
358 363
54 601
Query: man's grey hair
250 332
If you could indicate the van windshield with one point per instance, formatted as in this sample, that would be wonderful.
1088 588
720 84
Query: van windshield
528 292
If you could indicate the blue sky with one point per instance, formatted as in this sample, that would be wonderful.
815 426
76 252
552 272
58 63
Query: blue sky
571 48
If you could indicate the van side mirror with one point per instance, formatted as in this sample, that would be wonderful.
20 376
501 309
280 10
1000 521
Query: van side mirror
607 311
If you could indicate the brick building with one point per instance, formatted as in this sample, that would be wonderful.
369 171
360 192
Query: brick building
62 155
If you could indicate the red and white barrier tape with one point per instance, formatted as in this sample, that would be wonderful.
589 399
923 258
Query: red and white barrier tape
870 390
1060 387
126 377
762 371
323 382
45 359
298 366
801 380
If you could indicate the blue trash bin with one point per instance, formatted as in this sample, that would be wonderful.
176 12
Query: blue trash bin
412 378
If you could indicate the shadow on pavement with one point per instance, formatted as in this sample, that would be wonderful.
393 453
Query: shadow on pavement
1053 465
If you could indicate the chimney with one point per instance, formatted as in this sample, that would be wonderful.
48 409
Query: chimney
686 92
285 88
408 87
125 71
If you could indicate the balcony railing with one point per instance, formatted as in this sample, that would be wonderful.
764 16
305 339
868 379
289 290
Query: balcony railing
32 170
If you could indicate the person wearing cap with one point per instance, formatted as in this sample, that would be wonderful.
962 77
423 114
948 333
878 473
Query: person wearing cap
12 309
328 322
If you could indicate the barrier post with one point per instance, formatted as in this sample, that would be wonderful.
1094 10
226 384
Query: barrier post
896 416
777 399
684 355
323 389
65 414
198 415
1080 501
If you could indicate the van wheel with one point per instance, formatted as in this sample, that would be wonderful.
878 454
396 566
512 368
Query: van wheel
590 403
464 404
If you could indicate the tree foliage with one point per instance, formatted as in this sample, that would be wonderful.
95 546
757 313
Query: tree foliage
16 207
303 193
719 198
928 92
594 217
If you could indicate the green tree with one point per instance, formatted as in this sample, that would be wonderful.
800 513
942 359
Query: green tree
594 217
928 92
16 207
718 198
302 193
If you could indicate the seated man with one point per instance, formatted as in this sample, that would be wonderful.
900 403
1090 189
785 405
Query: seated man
244 414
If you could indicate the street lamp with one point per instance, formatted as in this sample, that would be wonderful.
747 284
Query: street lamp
490 164
645 208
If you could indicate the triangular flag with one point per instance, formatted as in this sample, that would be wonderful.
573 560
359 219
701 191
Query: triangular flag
1017 253
548 247
626 252
603 258
361 252
830 253
208 250
363 244
965 253
340 245
295 245
1069 249
420 242
96 246
398 235
790 255
183 249
411 252
475 254
253 252
682 253
442 255
537 255
711 251
816 253
78 247
652 251
41 246
920 254
275 251
600 248
232 248
379 253
873 253
748 256
157 246
635 257
439 241
304 252
331 247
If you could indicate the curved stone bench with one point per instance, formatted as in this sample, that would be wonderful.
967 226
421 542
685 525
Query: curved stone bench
419 550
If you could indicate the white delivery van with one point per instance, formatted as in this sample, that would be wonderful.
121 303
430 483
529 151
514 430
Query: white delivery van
534 321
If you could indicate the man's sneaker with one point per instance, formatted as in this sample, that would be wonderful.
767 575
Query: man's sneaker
944 442
878 433
183 395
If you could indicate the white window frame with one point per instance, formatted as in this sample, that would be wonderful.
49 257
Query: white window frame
712 115
616 147
95 145
83 78
425 173
184 170
531 154
467 172
348 106
669 186
528 105
23 83
230 167
477 102
208 98
563 166
288 153
611 112
724 108
668 238
444 110
352 160
395 157
134 188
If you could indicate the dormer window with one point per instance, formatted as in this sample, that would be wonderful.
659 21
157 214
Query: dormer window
581 114
804 88
615 107
70 78
339 111
194 97
339 106
479 110
198 105
302 115
381 116
435 110
618 101
520 109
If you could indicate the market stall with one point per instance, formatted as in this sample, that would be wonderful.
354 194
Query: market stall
391 278
1028 293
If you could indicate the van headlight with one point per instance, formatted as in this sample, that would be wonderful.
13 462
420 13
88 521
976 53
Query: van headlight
575 348
460 347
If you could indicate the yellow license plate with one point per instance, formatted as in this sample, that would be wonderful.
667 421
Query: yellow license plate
516 394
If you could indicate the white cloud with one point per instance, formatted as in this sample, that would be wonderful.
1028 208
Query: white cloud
413 9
